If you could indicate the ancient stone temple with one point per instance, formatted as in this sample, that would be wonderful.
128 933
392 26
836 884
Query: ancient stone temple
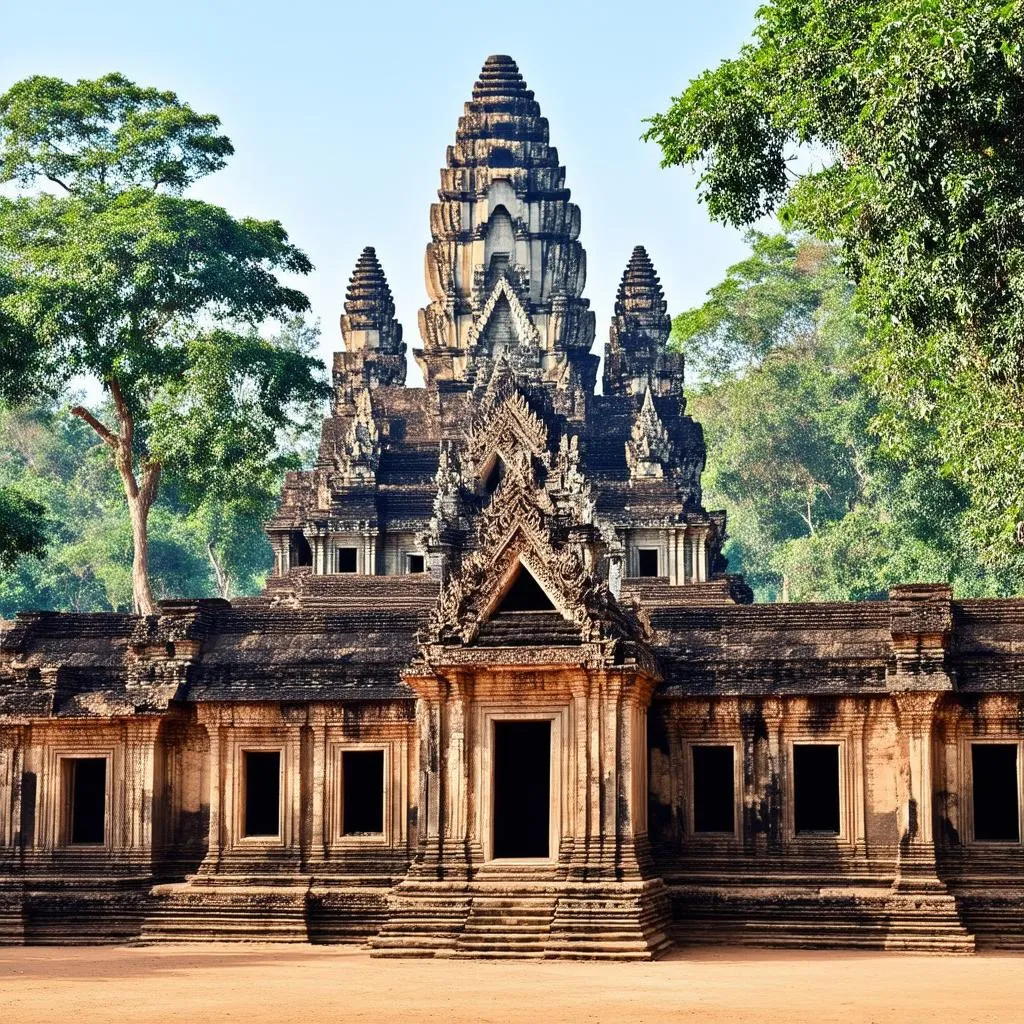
500 696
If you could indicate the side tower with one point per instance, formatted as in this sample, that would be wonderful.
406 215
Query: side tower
636 358
504 269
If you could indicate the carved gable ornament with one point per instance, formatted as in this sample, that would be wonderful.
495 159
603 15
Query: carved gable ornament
505 427
526 332
514 533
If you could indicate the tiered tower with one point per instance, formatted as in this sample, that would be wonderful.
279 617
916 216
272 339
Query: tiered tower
374 351
636 358
505 270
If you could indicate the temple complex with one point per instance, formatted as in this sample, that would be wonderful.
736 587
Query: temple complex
501 696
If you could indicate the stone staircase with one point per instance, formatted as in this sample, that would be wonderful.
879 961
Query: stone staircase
507 927
526 921
423 920
187 913
864 919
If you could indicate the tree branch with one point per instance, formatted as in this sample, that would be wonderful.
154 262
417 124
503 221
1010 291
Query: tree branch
57 181
105 432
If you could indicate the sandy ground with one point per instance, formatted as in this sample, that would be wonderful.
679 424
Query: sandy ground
263 983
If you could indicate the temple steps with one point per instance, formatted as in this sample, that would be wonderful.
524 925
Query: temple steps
507 928
927 923
188 913
184 913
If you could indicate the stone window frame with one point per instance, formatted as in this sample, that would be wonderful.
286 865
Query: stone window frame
967 774
59 800
559 772
846 836
649 539
336 794
239 746
406 553
736 834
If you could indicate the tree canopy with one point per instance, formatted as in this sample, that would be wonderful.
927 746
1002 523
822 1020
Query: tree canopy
819 508
109 271
895 129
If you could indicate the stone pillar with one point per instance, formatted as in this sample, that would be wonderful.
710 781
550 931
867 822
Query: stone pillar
673 557
138 787
318 741
915 864
215 847
702 555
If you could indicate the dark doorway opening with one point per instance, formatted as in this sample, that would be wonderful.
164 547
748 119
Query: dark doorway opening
496 475
417 564
346 559
262 782
299 551
522 788
363 810
816 787
714 799
88 786
995 790
647 561
525 595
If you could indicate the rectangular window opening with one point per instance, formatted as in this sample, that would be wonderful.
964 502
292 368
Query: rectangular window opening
415 563
647 561
816 788
714 797
262 800
85 779
996 792
362 812
346 559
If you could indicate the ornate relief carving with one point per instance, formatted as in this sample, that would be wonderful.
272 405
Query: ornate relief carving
649 450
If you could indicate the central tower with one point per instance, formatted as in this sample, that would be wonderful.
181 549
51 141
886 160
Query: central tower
504 268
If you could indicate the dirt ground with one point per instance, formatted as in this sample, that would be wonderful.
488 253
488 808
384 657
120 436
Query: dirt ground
264 983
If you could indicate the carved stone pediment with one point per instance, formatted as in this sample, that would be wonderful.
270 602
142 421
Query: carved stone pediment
649 449
505 427
516 533
526 332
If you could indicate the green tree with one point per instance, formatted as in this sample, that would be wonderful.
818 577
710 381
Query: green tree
22 522
107 270
818 508
895 128
57 462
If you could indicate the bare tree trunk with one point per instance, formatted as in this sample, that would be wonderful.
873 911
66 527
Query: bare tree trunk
140 495
220 574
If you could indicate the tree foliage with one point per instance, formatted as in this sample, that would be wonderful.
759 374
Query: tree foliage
108 271
22 527
895 128
218 548
819 508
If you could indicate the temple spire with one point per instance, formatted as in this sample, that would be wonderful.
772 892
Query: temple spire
504 222
374 351
636 359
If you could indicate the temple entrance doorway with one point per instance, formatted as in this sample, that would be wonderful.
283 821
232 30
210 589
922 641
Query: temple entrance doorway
522 789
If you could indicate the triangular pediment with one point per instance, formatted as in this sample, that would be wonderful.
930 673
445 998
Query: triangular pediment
503 309
516 554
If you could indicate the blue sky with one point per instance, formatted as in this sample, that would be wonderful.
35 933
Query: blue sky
340 115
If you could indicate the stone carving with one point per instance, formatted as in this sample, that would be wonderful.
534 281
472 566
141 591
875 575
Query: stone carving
527 232
649 450
525 330
448 500
362 444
